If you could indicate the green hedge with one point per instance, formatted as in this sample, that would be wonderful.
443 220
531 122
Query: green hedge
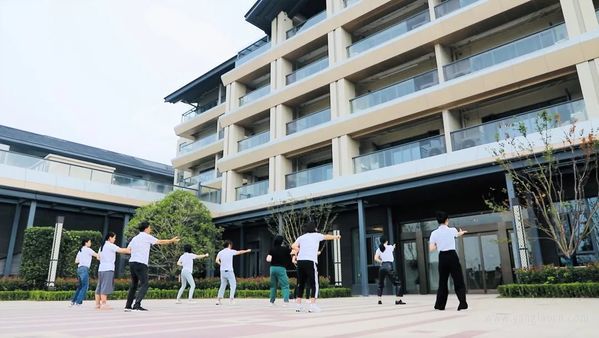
550 274
569 290
39 295
37 246
67 284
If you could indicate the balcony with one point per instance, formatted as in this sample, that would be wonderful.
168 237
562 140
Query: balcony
412 151
208 194
187 147
508 51
394 91
253 141
306 24
497 130
350 2
251 190
308 70
190 114
449 6
309 176
252 51
309 121
197 180
254 95
389 33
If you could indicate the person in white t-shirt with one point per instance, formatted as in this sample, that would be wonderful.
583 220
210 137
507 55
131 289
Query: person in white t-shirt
443 239
384 255
306 246
186 261
83 261
138 264
224 258
105 286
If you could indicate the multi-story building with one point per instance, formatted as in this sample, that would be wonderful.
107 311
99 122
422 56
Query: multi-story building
387 110
43 177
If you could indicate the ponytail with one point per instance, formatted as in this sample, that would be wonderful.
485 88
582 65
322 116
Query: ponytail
383 240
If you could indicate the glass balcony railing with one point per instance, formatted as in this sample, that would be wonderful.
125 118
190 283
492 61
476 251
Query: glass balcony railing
253 141
597 13
251 190
309 121
394 91
309 176
306 24
560 114
208 194
349 2
252 51
308 70
508 51
197 180
389 33
254 95
412 151
449 6
187 147
190 114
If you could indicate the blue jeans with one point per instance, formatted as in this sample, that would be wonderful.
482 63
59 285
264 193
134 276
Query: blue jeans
81 292
227 276
186 277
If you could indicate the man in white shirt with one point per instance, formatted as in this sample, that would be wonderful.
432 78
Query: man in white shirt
443 239
138 264
224 258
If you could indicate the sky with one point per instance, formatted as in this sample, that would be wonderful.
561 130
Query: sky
97 71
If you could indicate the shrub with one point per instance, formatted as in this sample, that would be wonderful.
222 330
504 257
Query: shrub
571 290
72 244
549 274
14 295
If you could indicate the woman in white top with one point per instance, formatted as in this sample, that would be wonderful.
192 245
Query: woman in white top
186 261
307 246
105 286
384 255
84 261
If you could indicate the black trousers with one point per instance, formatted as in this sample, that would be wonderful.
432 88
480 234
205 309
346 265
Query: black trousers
307 277
295 291
449 264
386 271
139 275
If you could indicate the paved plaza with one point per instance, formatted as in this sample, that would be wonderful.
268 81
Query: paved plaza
488 316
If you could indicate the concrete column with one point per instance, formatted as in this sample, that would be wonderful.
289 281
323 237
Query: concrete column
279 30
272 174
342 39
579 16
390 227
363 262
237 90
344 150
13 239
450 123
279 167
242 247
231 180
281 69
283 115
334 6
519 226
588 75
443 57
431 8
344 91
233 134
31 216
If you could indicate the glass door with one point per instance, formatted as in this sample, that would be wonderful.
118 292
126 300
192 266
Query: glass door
410 267
481 261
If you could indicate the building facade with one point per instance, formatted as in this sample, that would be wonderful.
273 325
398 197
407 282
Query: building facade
386 109
42 177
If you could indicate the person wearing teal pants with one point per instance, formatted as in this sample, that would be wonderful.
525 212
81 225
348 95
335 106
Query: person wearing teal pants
278 257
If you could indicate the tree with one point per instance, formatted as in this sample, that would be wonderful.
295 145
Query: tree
289 216
181 214
555 181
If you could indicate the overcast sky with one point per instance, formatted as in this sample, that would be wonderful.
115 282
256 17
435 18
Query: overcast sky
96 71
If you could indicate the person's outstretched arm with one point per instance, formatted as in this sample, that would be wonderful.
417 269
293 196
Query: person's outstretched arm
241 252
124 250
331 237
168 241
201 256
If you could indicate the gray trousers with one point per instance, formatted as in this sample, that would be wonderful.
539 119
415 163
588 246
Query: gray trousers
227 276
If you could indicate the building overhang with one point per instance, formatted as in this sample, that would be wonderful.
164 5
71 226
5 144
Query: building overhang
264 11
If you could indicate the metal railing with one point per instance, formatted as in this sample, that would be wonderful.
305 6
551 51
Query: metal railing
200 143
309 121
394 91
252 51
190 114
254 95
412 151
449 6
560 114
349 2
306 24
199 178
253 141
309 176
507 51
251 190
389 33
208 194
307 70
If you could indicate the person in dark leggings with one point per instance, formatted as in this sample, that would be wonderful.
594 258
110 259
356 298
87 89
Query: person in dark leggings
443 239
384 255
306 246
138 264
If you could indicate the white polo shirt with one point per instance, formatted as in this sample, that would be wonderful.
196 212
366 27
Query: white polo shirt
308 246
186 261
140 247
85 257
107 256
444 237
226 259
387 255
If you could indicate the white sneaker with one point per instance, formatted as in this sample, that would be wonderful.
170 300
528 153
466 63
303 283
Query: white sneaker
271 304
191 302
285 304
178 301
232 302
314 308
218 302
299 308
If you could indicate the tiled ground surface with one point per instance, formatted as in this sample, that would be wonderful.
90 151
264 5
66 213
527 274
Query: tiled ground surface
488 316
